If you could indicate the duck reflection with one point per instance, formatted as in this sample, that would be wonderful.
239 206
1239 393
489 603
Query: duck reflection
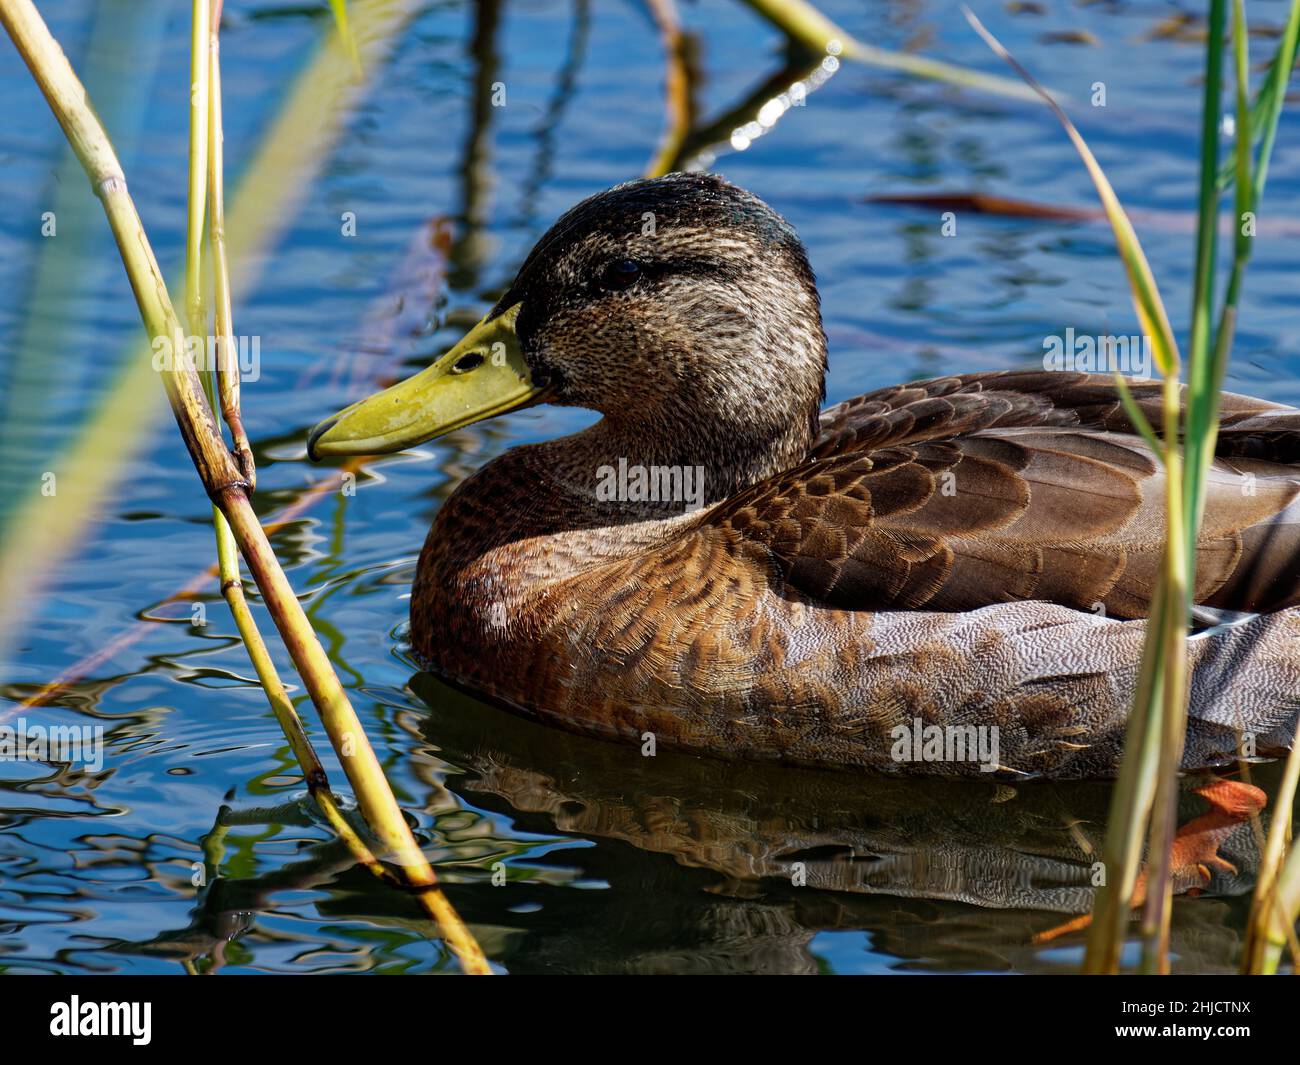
720 866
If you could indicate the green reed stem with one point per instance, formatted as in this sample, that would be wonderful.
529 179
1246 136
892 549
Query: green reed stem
1203 394
1147 785
1183 507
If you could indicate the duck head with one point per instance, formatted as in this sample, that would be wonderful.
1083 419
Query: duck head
681 308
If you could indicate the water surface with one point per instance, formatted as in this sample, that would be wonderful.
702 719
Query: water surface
612 863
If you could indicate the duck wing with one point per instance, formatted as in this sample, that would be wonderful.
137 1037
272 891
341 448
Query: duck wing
963 492
959 405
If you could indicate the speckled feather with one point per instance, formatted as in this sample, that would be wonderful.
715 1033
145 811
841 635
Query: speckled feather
977 549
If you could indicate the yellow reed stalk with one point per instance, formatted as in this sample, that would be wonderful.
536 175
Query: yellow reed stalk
803 23
43 529
227 367
232 588
216 467
677 87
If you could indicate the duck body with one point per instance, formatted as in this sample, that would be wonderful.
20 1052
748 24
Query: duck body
746 631
946 577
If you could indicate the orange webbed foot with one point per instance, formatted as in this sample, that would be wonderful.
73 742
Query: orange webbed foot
1194 854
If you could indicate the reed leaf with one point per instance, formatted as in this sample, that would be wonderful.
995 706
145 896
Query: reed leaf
1274 906
1266 109
340 9
1147 782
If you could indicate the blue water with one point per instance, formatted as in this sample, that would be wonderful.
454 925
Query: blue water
612 864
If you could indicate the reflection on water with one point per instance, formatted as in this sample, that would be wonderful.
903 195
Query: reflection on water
193 845
736 867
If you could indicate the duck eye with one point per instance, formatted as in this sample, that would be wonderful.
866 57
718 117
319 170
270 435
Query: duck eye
468 361
620 274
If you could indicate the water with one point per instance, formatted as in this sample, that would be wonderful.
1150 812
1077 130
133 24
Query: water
611 862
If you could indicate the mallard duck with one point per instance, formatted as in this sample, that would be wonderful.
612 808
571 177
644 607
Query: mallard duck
718 564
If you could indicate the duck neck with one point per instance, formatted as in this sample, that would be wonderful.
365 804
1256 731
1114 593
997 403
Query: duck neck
542 513
660 466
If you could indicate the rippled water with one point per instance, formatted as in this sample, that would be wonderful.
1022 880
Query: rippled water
613 862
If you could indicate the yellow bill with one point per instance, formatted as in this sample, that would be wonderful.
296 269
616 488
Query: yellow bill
482 376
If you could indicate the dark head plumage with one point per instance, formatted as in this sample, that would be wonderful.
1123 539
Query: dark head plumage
644 205
685 309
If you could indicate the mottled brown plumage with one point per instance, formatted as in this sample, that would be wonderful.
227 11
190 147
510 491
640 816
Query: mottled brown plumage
972 550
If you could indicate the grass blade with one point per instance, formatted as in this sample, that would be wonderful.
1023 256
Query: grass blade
1153 748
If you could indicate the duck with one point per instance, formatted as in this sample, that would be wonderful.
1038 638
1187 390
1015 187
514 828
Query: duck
944 577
